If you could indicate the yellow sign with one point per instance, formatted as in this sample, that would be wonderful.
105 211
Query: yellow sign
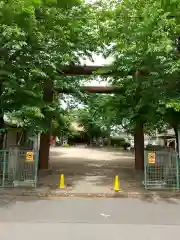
151 157
29 156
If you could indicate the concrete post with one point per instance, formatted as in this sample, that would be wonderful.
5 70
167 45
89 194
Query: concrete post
13 162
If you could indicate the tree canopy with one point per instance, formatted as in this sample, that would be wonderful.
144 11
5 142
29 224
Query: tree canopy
39 37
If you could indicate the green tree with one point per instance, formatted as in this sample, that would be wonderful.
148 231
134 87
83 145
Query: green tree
37 39
96 117
142 39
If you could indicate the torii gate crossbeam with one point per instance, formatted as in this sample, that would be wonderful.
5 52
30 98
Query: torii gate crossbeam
93 89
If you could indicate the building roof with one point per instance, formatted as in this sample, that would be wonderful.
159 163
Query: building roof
76 127
168 134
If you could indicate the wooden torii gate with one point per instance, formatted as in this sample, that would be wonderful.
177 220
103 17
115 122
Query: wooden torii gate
73 70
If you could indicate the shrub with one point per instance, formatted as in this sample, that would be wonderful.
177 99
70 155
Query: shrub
66 145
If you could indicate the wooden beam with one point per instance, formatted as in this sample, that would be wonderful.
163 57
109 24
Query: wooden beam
80 70
74 70
93 89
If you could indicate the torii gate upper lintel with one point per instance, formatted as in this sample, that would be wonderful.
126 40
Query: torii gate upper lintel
79 70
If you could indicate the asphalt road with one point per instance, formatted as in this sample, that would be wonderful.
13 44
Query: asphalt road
32 218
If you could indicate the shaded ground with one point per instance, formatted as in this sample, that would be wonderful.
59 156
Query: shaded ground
91 170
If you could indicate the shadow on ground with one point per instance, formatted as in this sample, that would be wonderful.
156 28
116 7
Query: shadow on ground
97 167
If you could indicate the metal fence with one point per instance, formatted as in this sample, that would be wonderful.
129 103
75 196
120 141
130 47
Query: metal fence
161 170
18 167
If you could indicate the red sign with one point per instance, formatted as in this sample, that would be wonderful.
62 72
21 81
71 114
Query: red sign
51 140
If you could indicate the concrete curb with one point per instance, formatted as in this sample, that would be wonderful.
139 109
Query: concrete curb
111 195
54 194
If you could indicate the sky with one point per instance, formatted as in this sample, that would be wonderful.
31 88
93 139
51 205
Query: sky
98 61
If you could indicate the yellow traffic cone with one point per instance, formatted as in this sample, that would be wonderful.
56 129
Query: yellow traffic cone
116 184
61 181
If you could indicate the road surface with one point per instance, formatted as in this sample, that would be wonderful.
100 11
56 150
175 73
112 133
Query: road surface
33 218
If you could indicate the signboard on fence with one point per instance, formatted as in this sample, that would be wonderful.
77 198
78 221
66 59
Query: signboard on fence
29 156
151 157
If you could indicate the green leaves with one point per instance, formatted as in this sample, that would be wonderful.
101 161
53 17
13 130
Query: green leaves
174 104
36 38
141 36
97 116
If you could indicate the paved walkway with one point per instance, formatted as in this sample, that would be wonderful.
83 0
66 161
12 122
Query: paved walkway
91 170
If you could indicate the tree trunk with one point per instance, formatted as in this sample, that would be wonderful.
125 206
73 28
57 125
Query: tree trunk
139 146
177 140
109 141
2 132
90 141
44 151
45 137
109 136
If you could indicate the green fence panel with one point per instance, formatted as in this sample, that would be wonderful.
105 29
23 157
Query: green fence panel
161 170
18 167
3 163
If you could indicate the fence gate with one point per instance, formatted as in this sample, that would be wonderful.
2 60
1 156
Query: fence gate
18 167
161 170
